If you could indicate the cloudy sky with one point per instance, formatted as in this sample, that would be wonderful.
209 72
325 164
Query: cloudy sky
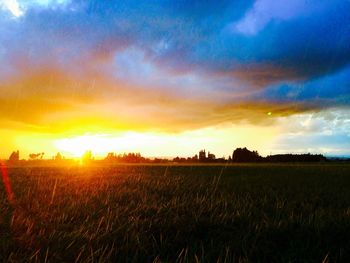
169 78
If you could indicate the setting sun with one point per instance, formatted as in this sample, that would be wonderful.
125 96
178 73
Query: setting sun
99 144
77 146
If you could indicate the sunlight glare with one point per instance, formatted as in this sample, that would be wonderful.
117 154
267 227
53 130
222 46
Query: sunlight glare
101 144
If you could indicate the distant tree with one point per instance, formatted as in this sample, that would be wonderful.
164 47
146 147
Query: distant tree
110 156
211 157
35 156
221 160
176 159
242 155
296 158
126 158
202 157
58 157
193 159
133 158
14 157
157 160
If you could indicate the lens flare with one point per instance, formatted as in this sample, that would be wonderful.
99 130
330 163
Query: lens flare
7 184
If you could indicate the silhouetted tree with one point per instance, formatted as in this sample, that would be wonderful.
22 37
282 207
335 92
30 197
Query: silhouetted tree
35 156
243 155
211 157
126 158
58 157
296 158
202 157
111 157
14 157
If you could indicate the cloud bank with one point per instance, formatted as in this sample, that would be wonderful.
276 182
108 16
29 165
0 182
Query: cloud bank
170 65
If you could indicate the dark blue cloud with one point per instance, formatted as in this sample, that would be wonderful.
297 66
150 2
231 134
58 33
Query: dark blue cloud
311 44
289 48
326 91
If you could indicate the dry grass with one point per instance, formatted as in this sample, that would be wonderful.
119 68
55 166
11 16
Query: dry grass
246 213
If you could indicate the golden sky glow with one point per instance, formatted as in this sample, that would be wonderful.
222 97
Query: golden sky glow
174 77
219 140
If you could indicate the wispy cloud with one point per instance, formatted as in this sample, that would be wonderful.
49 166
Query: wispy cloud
12 6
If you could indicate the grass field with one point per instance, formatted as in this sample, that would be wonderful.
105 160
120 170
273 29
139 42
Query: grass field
238 213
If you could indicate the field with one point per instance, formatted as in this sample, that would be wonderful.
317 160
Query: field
150 213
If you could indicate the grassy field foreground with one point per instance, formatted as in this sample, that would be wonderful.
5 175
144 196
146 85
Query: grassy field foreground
241 213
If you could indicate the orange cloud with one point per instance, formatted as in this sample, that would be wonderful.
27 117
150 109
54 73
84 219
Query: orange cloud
54 100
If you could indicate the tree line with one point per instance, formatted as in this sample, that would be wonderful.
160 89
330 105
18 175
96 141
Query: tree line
239 155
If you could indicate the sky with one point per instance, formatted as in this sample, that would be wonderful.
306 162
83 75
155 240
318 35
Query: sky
169 78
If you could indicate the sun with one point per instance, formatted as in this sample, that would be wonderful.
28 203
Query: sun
77 146
101 144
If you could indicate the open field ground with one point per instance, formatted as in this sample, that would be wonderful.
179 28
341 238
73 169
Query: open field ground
238 213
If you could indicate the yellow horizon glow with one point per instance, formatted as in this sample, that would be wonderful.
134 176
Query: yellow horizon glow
101 144
220 140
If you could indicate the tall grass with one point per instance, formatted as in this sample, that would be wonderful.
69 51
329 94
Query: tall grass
245 213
